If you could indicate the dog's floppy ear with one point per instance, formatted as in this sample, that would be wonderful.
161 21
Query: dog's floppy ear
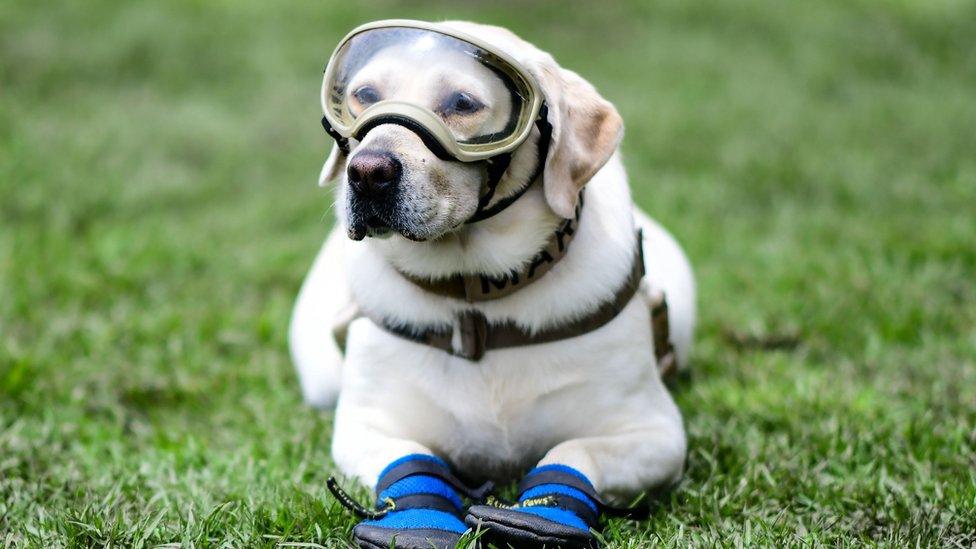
586 129
334 164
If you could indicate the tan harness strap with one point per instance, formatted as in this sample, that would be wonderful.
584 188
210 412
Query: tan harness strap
476 335
667 360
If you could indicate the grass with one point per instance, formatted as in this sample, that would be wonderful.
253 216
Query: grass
158 211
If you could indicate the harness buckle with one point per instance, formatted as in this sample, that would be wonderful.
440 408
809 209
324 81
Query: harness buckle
472 332
474 288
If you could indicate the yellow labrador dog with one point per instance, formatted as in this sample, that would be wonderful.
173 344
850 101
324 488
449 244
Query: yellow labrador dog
557 386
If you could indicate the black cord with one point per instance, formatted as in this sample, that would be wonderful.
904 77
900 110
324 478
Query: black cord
358 509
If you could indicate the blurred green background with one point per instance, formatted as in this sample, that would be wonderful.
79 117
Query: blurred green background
158 211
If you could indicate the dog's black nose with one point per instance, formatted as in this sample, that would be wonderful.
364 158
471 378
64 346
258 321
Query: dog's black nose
373 174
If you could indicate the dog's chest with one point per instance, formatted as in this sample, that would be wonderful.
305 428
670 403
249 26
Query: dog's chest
513 405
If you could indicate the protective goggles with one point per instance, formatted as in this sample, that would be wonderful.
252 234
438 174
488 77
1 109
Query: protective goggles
467 100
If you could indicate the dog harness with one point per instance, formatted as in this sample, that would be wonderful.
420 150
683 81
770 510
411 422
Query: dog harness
476 336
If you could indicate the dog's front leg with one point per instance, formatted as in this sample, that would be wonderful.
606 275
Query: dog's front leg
626 463
362 449
418 498
562 499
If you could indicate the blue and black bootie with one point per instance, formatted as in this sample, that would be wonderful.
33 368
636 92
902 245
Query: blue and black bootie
418 505
557 507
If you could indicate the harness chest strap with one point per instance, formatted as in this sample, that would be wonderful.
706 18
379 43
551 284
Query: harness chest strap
477 336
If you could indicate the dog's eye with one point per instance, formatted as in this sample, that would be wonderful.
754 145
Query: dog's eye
366 95
460 103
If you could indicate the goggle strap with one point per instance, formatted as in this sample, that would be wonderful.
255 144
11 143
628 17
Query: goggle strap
495 168
545 139
341 142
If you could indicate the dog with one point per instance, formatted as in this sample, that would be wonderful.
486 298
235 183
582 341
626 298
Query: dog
595 402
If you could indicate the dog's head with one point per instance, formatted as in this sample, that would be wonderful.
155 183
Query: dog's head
392 182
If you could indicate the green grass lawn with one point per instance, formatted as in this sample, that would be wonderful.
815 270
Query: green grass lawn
158 211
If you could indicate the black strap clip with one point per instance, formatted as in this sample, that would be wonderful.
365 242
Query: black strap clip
472 329
341 142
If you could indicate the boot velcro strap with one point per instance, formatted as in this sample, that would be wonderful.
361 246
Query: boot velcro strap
558 477
424 501
579 508
638 512
432 468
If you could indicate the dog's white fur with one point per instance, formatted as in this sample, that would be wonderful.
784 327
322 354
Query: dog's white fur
594 402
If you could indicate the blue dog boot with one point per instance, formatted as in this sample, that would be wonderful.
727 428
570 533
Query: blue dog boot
418 505
557 507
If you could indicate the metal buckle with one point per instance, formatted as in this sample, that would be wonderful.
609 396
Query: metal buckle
472 329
